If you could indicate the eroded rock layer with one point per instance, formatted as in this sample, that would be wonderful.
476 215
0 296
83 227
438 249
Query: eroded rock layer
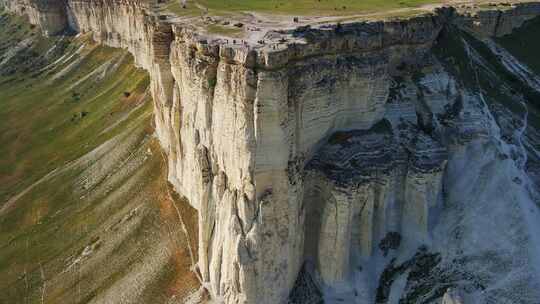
326 145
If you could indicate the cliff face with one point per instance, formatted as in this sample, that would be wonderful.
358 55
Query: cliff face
326 146
250 121
50 16
498 22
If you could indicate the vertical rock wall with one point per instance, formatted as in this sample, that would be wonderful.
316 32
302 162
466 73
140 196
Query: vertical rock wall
49 15
249 135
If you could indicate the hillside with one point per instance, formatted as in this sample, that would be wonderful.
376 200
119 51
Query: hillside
331 159
85 213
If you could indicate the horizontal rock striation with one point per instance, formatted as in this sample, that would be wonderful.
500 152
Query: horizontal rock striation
279 146
365 185
498 22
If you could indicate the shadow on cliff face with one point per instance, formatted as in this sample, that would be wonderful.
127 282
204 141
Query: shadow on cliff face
505 69
85 210
479 96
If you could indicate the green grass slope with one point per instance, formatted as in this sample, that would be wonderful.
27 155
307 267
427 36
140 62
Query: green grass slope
86 213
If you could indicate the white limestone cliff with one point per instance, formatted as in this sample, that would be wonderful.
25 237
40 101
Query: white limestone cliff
308 151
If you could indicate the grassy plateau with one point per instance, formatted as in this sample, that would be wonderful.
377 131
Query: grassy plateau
295 7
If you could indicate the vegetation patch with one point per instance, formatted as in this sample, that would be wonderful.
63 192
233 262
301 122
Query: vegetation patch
82 181
229 31
311 7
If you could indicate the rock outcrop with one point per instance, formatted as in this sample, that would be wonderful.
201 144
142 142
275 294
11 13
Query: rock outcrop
367 186
452 296
318 146
500 21
49 15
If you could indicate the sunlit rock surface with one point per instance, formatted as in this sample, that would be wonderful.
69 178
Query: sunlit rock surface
372 152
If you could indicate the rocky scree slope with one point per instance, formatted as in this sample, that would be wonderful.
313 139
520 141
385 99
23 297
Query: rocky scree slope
363 162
